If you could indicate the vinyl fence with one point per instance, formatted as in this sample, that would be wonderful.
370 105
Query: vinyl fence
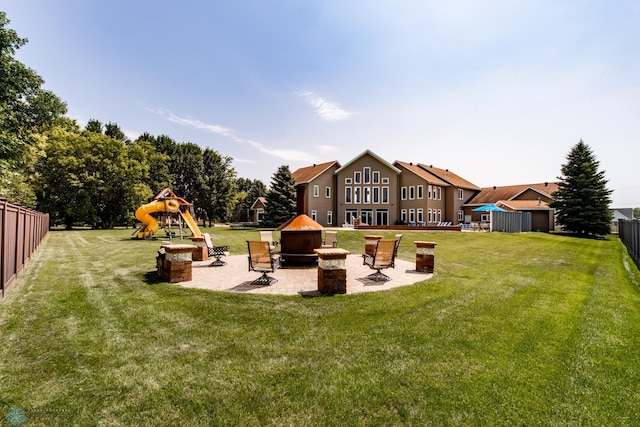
21 231
629 233
511 222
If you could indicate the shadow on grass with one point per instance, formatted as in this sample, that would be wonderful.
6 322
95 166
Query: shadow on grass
152 278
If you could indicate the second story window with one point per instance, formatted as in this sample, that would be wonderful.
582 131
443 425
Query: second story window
316 191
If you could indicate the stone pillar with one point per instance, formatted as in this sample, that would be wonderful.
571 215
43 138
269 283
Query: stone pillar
425 256
370 243
200 252
177 263
332 270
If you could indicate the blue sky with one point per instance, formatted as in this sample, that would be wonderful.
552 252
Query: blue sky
496 91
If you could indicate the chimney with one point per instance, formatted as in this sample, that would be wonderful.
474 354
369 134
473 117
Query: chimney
301 199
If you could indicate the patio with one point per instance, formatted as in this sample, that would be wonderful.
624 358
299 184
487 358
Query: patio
235 277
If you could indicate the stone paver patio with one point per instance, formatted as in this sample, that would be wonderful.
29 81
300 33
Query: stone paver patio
235 277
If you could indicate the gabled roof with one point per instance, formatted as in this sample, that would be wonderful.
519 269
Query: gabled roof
308 173
511 192
447 176
430 178
262 200
375 156
528 205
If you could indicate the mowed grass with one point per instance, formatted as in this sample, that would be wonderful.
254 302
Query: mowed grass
529 329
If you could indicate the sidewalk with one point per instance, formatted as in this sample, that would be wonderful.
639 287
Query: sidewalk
235 277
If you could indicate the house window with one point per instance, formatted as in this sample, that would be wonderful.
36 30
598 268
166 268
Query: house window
349 215
382 217
376 177
420 215
412 215
385 195
385 180
366 216
429 193
314 215
460 194
403 193
412 192
366 172
356 194
484 217
329 217
348 181
439 191
327 192
366 195
403 215
357 177
376 194
439 215
316 191
460 215
348 194
420 191
429 216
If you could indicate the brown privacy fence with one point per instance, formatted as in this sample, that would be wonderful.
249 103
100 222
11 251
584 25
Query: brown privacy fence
629 233
21 231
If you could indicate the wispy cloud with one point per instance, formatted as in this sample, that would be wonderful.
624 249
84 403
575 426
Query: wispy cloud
326 149
291 155
327 110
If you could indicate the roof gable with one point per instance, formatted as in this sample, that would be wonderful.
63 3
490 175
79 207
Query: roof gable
447 176
309 173
514 192
372 154
430 178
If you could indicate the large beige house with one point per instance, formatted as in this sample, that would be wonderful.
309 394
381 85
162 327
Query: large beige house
370 190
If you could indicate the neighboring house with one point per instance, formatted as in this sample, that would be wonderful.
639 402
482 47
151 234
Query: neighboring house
618 214
257 210
533 198
320 200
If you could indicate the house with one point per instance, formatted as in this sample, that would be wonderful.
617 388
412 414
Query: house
618 214
457 193
320 201
533 198
257 210
370 190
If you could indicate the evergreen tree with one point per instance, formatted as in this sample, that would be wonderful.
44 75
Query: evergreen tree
582 200
281 199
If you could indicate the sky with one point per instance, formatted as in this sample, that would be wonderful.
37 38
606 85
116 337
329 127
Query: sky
497 91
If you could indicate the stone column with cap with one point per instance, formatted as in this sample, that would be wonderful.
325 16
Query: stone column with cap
177 263
332 270
425 256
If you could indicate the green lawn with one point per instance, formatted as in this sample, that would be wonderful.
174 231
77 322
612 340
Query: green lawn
530 329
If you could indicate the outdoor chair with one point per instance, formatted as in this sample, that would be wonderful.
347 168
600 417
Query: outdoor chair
267 236
261 260
216 252
395 250
383 257
330 239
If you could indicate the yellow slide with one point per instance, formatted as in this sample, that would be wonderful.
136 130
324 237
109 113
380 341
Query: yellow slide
152 226
191 223
165 201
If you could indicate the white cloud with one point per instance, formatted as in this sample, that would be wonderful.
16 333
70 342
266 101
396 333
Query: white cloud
326 149
327 110
290 155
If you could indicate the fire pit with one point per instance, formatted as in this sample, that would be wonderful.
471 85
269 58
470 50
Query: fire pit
300 236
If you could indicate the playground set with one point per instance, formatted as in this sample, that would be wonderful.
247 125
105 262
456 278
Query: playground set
164 210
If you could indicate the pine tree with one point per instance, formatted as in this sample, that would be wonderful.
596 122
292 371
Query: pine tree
281 198
582 200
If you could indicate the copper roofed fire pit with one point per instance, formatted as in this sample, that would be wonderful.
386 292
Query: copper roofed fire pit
300 235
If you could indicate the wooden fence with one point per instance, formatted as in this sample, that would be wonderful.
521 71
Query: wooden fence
629 233
21 231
